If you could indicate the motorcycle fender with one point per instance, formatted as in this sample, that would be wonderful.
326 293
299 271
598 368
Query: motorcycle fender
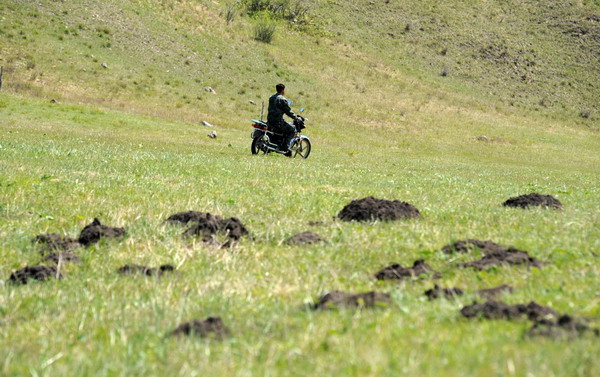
256 133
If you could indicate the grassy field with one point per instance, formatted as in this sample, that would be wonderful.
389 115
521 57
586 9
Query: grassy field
63 165
124 144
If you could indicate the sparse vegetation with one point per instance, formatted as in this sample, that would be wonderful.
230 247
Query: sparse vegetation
264 30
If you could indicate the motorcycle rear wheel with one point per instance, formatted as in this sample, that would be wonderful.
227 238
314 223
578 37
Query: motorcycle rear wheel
257 146
301 147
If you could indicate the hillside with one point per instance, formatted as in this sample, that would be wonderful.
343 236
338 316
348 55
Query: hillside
387 64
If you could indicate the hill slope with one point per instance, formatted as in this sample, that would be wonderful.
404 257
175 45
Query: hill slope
383 61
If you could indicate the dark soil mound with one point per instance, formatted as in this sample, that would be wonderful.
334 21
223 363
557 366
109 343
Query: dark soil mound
41 273
186 217
305 238
437 292
494 254
491 293
500 310
95 231
534 199
208 227
211 327
509 256
55 241
339 299
130 269
396 271
466 246
563 327
370 209
62 258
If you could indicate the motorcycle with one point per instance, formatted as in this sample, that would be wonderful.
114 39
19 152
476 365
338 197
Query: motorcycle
265 140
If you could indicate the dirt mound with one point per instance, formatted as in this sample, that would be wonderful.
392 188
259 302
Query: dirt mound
186 217
212 327
563 327
533 199
500 310
40 273
397 272
493 254
467 246
437 292
304 238
130 269
62 258
211 225
95 231
510 256
55 241
370 209
339 299
490 293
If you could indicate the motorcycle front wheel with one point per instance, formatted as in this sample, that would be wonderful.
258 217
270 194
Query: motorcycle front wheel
301 148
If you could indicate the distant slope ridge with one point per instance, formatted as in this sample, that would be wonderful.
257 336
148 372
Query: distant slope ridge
370 60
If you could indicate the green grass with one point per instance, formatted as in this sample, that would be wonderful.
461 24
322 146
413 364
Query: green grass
124 144
63 165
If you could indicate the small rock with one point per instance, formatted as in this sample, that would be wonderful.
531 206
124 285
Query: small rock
212 135
252 102
206 124
104 65
210 90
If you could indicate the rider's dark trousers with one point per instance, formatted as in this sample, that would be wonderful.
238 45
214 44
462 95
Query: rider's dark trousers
288 132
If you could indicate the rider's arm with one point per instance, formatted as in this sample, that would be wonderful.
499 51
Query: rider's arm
287 110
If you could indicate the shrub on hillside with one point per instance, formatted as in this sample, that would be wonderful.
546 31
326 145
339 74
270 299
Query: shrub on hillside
264 31
296 11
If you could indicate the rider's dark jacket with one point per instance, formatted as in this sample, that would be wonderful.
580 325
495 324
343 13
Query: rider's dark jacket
278 105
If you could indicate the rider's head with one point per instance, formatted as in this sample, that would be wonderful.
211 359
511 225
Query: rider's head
280 88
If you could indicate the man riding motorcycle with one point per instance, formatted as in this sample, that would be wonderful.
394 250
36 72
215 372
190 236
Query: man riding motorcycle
278 106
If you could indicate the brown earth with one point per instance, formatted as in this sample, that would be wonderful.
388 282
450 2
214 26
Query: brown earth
493 254
304 238
533 200
339 299
467 246
208 227
130 269
437 292
186 217
211 327
40 273
563 327
396 271
500 310
371 209
53 241
95 231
